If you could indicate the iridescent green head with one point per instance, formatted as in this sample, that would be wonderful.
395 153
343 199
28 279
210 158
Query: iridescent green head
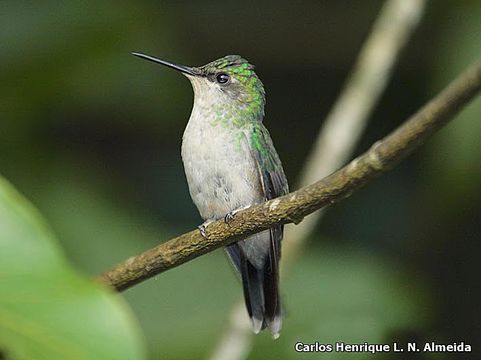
229 81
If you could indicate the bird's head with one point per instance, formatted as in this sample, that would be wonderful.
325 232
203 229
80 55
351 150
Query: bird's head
229 81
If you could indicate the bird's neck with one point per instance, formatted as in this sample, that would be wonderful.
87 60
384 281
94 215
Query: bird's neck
227 115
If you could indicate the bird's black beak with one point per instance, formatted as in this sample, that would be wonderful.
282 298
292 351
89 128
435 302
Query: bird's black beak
184 69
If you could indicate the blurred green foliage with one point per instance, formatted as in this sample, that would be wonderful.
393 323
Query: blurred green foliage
48 311
92 136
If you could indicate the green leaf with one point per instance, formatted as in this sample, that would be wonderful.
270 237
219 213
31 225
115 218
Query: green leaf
47 310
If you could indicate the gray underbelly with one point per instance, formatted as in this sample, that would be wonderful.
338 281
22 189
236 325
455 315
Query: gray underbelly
221 176
217 188
256 248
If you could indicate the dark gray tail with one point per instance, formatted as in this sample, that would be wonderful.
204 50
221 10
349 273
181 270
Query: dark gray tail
261 284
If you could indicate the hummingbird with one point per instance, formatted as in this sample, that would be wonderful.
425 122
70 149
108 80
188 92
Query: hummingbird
231 164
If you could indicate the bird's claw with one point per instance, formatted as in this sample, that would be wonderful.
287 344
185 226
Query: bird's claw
229 217
203 228
231 214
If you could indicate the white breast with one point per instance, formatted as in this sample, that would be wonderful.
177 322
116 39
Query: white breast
221 173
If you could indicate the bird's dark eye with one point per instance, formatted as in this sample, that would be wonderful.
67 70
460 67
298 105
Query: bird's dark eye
222 78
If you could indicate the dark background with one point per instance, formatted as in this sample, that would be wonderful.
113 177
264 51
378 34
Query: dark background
92 136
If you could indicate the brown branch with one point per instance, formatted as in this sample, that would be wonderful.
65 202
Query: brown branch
382 156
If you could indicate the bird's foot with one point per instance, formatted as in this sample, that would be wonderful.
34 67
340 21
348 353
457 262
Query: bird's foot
230 215
203 227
